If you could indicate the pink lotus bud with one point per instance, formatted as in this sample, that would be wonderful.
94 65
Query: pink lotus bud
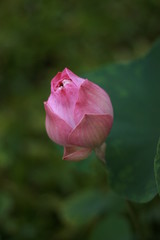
79 115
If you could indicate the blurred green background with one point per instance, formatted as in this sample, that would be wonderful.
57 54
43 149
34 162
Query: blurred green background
41 196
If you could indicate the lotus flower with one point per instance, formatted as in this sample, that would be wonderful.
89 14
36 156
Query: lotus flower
79 115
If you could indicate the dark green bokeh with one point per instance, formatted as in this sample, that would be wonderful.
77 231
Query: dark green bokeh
39 193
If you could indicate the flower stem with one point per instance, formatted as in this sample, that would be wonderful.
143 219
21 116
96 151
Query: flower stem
137 224
101 152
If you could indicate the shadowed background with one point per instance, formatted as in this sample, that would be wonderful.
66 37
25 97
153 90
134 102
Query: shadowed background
41 196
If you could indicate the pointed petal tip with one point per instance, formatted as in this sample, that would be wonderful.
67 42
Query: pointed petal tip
45 103
67 69
47 108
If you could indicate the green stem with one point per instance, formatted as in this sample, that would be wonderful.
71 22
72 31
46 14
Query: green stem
137 224
100 153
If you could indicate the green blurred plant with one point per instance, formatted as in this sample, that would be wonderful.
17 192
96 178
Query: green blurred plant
42 197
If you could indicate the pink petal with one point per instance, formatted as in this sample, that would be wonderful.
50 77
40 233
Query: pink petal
92 100
58 130
55 80
62 102
66 74
59 76
76 79
74 153
92 131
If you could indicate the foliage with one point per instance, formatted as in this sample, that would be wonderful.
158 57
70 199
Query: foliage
41 196
134 90
157 167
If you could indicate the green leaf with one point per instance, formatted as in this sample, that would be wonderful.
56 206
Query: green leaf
157 166
134 90
88 204
112 227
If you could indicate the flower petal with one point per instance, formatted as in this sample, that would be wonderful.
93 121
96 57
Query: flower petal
59 76
74 153
66 74
58 130
91 100
62 102
76 79
92 131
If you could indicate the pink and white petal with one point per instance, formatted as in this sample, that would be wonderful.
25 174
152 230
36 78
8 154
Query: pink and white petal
77 80
63 101
74 153
57 129
92 100
92 131
59 77
55 80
